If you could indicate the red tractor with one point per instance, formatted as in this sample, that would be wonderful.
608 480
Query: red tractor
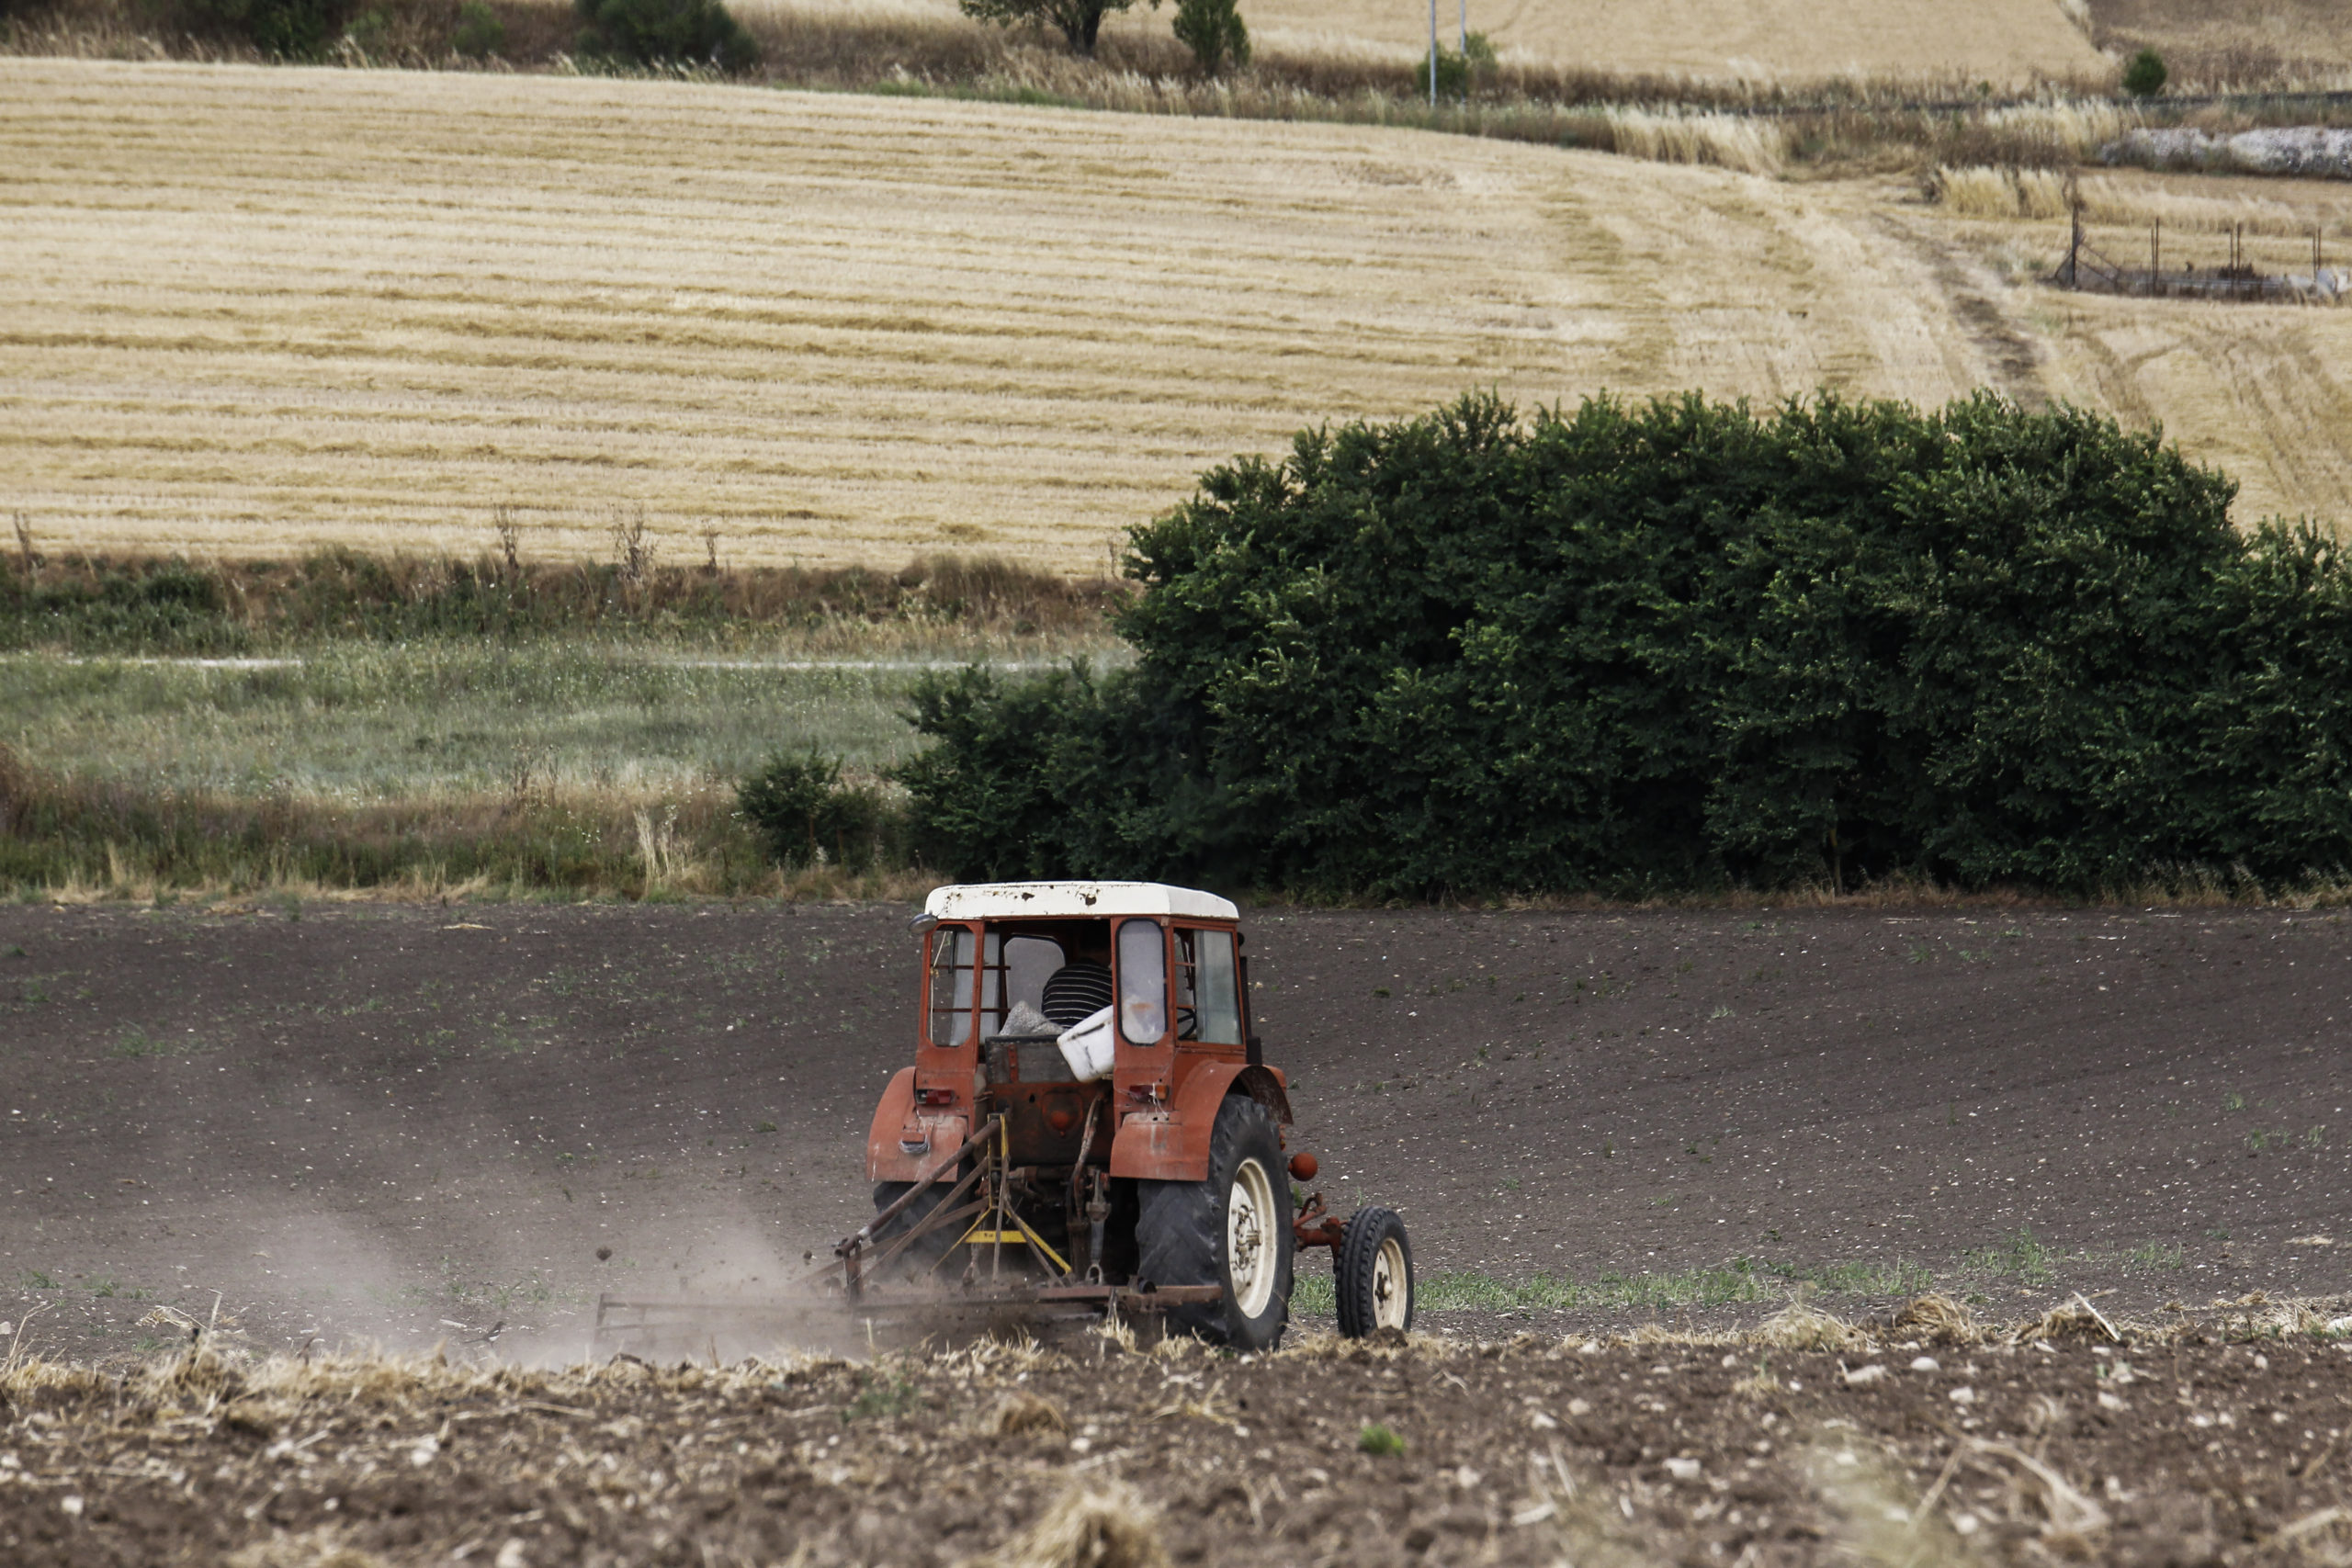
1090 1122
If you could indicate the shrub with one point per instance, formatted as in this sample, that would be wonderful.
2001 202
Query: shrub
1458 73
291 29
665 32
807 814
1214 31
2144 76
479 33
1679 647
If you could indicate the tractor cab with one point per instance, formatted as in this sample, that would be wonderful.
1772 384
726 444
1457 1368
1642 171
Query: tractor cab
1088 1107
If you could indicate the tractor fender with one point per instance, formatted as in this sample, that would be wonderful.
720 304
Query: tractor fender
1174 1145
904 1142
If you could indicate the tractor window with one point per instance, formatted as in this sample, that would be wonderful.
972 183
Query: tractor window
951 976
1029 963
1143 982
1206 1009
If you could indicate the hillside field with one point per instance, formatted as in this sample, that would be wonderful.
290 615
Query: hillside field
251 311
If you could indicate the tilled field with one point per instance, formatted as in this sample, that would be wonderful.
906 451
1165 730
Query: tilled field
1804 1442
422 1123
1648 1132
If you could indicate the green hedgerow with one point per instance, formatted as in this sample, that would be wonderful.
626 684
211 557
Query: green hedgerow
1681 647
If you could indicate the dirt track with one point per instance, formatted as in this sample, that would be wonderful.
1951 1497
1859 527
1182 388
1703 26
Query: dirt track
418 1122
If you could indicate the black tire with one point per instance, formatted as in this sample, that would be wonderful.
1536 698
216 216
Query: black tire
1180 1231
1371 1295
927 1250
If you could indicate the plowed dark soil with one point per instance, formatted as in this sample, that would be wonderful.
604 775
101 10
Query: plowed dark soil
460 1126
2187 1449
418 1122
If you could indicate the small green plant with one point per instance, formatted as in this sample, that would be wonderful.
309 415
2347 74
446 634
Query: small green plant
2234 1103
1380 990
2145 74
136 1043
2022 1255
479 32
34 1280
2158 1255
883 1396
665 32
763 1126
1214 31
1379 1441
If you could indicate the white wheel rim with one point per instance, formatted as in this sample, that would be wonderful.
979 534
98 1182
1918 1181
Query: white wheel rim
1392 1286
1250 1242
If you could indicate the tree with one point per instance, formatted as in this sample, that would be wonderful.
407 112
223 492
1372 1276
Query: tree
1214 31
1079 21
2144 76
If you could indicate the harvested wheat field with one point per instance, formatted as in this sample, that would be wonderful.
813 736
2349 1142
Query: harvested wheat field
251 312
2013 43
254 311
2010 42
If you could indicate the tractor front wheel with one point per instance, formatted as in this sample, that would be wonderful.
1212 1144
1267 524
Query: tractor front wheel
1231 1230
1374 1270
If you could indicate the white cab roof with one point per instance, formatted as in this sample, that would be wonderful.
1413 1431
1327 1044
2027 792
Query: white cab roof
1013 900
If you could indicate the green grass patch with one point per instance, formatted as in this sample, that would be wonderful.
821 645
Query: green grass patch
2021 1256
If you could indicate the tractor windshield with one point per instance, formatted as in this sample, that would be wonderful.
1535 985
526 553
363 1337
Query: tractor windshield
1030 979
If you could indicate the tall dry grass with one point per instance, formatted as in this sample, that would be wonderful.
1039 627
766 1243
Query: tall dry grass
1751 145
2131 201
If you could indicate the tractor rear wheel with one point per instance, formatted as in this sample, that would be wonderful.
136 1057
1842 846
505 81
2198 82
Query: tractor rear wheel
926 1251
1374 1273
1231 1230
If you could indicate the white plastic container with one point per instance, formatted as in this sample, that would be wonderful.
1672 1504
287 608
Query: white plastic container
1086 1045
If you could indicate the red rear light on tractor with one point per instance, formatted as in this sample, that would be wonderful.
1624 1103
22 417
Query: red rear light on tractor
936 1095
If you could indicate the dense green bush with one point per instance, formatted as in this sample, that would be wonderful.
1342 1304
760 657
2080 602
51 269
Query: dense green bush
479 33
1214 32
808 814
290 29
1677 648
665 32
2144 76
